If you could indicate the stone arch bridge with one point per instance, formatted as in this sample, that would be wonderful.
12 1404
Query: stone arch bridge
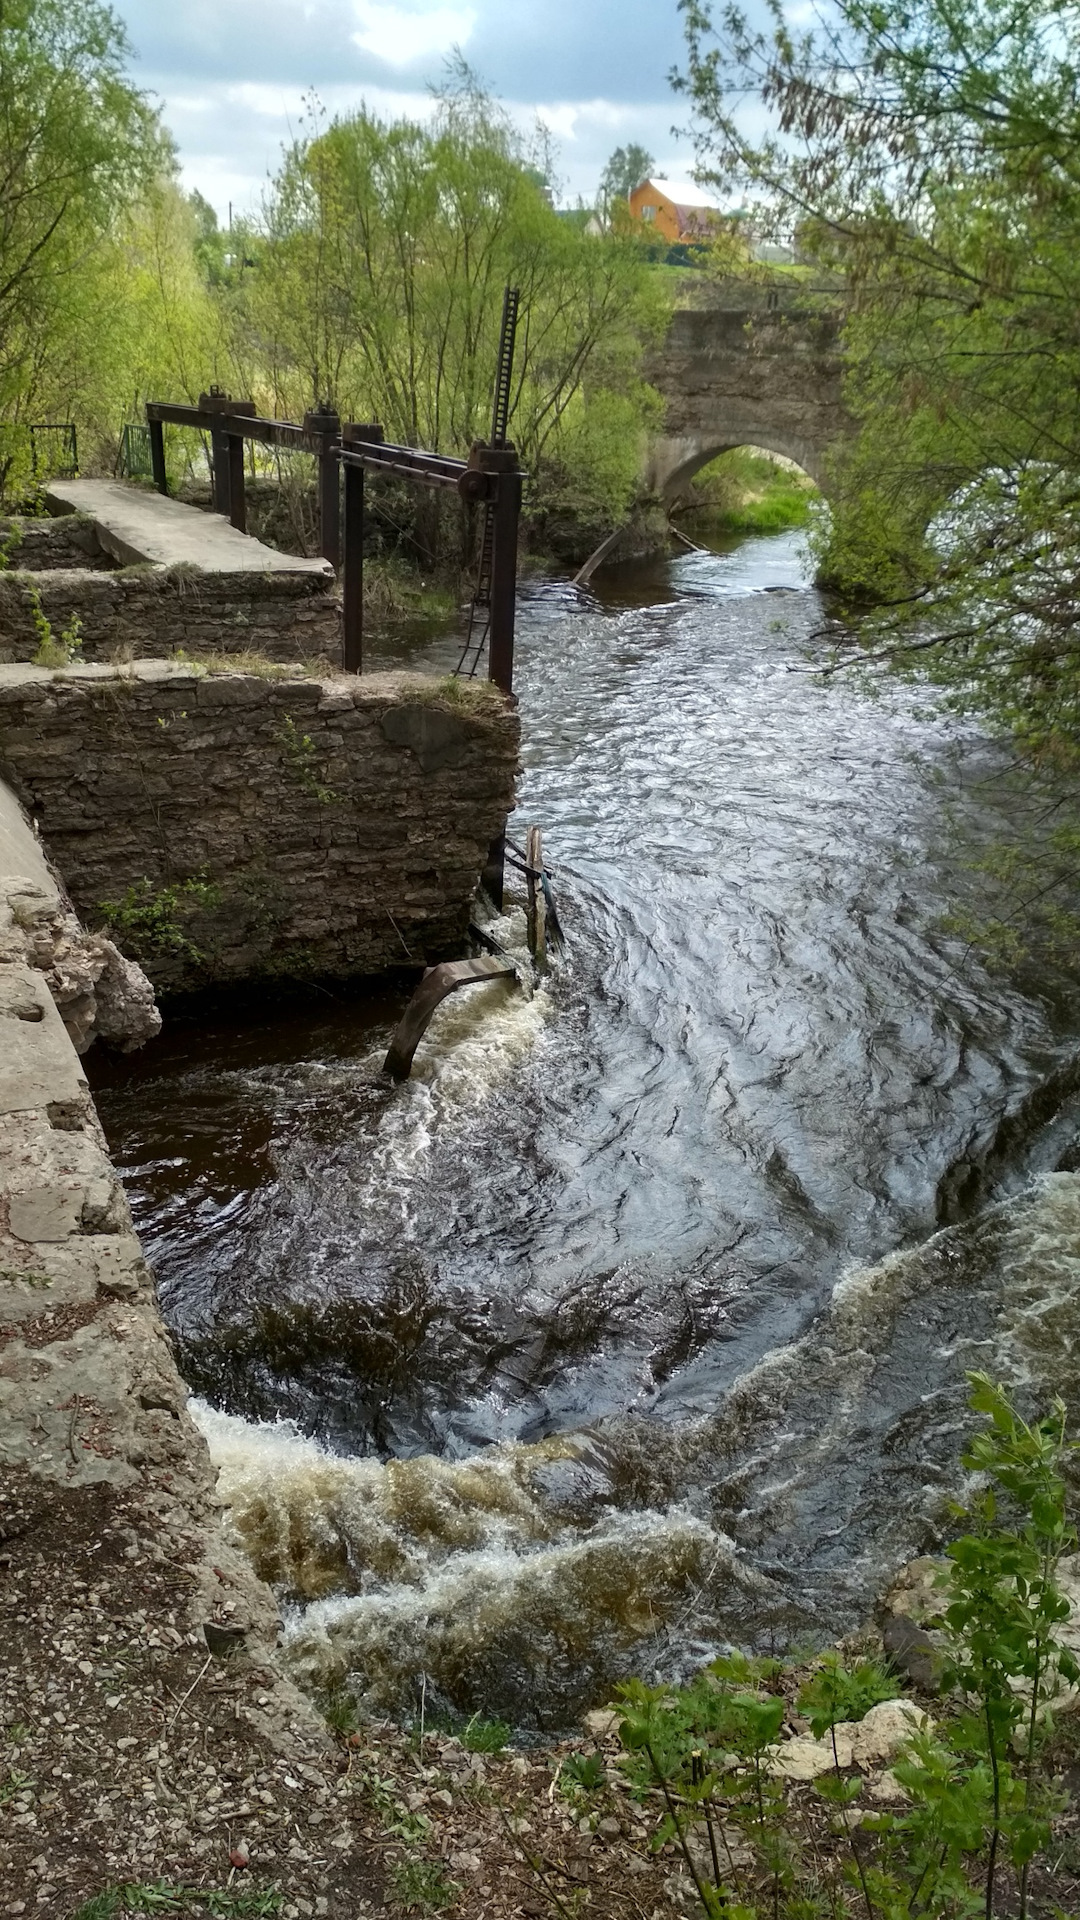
753 368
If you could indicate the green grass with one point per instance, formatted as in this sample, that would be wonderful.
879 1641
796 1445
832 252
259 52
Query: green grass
162 1896
485 1736
747 492
422 1885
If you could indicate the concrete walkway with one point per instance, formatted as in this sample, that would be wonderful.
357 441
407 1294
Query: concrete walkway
145 527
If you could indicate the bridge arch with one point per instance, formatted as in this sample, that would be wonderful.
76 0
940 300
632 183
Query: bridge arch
675 459
752 369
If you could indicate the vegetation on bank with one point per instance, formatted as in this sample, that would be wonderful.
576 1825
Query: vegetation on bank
929 159
746 491
738 1795
373 282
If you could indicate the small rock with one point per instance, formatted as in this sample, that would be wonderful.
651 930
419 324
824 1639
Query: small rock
609 1828
239 1856
884 1730
886 1790
912 1652
804 1759
601 1723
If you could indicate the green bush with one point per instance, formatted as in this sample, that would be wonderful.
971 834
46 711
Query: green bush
978 1799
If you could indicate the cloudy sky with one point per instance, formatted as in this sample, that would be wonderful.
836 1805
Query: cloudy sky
232 74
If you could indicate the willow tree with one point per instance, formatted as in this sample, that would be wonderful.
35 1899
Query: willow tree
77 143
380 289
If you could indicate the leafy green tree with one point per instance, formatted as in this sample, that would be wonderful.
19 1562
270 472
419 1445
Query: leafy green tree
929 155
625 170
380 289
78 142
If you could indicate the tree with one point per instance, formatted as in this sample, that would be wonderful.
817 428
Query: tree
388 247
78 143
931 153
626 169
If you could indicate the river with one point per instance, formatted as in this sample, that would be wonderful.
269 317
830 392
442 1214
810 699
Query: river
612 1337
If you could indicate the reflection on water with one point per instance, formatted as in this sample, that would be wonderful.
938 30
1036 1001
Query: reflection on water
579 1237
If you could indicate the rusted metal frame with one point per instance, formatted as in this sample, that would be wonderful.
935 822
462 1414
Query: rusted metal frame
352 607
231 422
272 433
432 469
323 426
157 455
354 436
438 981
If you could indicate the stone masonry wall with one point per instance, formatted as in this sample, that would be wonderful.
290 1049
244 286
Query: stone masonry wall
236 825
69 541
139 612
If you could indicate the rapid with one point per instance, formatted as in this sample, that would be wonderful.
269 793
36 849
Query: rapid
621 1331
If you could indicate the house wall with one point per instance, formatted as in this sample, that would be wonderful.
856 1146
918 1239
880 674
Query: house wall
667 214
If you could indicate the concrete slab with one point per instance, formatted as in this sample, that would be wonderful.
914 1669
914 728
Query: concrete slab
137 527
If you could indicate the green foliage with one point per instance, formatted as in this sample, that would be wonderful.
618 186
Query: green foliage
379 287
484 1736
302 759
928 155
77 143
582 1770
975 1792
625 170
422 1885
839 1693
747 492
149 921
163 1896
52 650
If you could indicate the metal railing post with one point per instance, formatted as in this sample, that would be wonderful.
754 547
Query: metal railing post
325 426
502 462
157 455
352 590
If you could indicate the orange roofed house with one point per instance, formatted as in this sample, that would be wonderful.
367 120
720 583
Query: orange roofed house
676 209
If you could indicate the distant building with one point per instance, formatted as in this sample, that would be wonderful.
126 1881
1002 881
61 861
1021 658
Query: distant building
678 210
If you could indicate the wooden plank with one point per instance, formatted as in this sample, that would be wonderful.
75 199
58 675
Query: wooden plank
536 912
433 989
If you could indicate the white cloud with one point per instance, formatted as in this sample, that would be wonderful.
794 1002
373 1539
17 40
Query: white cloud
398 35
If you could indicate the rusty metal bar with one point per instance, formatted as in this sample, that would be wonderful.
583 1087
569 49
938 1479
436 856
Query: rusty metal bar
434 987
433 468
234 448
352 609
271 433
157 456
506 511
323 426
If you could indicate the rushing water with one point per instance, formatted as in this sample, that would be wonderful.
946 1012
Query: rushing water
538 1365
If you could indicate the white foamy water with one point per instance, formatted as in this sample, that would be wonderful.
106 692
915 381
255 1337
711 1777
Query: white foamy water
527 1578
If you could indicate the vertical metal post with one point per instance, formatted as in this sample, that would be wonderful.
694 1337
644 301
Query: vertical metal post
237 504
324 424
157 456
219 460
352 566
353 570
506 513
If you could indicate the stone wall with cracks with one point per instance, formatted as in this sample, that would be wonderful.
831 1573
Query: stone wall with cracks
132 613
221 827
139 1692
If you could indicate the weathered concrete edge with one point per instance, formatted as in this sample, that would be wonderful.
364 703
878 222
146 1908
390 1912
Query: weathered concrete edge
89 1391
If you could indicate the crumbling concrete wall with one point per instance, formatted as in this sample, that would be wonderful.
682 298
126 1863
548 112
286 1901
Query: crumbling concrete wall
117 1583
96 991
227 826
138 612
